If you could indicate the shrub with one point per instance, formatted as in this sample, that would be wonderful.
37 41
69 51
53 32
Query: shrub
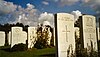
19 47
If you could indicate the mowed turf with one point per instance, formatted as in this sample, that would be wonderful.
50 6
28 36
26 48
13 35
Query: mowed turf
47 52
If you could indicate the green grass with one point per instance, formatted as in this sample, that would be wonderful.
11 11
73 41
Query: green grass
47 52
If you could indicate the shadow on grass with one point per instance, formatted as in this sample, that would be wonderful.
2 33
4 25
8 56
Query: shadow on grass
48 55
6 48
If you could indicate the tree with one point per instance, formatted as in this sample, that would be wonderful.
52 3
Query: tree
42 37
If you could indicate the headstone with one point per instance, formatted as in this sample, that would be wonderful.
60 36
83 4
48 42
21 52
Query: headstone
64 31
15 35
9 38
54 36
98 34
2 38
88 32
32 36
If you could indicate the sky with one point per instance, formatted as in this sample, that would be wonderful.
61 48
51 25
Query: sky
32 11
55 6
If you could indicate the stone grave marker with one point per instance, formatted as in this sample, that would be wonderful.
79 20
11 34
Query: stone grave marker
15 35
88 32
2 38
64 31
32 36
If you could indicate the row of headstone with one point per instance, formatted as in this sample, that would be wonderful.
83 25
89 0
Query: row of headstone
17 35
65 33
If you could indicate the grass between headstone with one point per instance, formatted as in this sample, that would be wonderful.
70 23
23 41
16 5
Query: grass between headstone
47 52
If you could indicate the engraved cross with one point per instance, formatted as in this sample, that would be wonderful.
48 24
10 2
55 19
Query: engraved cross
90 37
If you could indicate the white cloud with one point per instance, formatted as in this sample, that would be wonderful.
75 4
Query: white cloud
52 0
30 6
46 23
6 7
47 17
76 14
12 13
95 4
27 16
45 3
64 2
68 2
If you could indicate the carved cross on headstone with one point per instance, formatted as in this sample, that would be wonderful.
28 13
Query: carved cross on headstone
90 37
67 31
91 40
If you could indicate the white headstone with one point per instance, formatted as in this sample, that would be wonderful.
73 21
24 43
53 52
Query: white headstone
88 31
98 34
2 38
64 30
9 38
54 36
15 35
32 36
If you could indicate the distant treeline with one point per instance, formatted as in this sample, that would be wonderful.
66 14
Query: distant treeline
7 27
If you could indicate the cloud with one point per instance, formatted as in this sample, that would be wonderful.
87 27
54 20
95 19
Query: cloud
46 23
46 17
68 2
52 0
64 2
6 7
45 3
11 13
76 14
95 4
27 16
30 6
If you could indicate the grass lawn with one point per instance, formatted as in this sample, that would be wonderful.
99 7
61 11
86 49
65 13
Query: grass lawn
47 52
